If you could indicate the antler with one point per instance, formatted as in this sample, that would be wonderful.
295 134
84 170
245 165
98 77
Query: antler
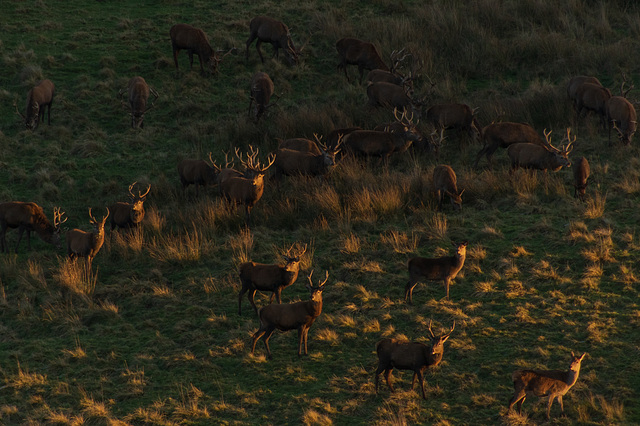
320 284
252 163
430 331
15 104
624 93
547 136
139 194
154 93
57 217
452 328
395 60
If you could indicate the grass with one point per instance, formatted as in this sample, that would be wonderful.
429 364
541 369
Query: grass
150 333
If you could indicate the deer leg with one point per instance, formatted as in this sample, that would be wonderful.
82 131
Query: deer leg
379 370
257 335
559 398
191 60
243 290
387 377
277 294
419 374
250 296
269 332
20 231
446 286
175 57
408 292
361 71
551 398
517 398
301 338
275 52
49 111
258 43
306 338
252 37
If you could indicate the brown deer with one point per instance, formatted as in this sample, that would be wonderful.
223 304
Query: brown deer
291 162
361 53
445 182
29 217
274 278
302 145
195 41
442 269
128 215
138 92
269 30
388 95
552 383
261 92
38 98
621 115
592 97
403 125
406 355
501 135
197 172
575 83
548 157
248 188
291 316
581 173
86 244
393 76
454 116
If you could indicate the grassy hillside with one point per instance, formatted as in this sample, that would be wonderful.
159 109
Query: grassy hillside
151 334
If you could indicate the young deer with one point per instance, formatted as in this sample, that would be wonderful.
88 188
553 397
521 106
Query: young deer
289 316
405 355
445 182
552 383
86 244
436 269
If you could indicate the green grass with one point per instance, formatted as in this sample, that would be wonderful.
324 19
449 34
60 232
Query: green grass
151 335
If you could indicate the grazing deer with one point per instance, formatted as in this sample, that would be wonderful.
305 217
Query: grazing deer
194 40
138 92
442 269
575 83
274 278
86 244
296 162
29 217
547 157
388 95
445 182
592 97
269 30
406 355
361 53
621 115
128 215
197 172
454 116
581 173
38 98
261 92
291 316
552 383
501 135
393 76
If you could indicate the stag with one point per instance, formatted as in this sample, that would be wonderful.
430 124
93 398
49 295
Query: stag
501 135
29 217
295 162
393 76
445 182
128 215
442 269
194 40
269 30
38 98
581 173
406 355
138 92
552 383
361 53
404 126
592 97
197 172
388 95
261 92
454 116
291 316
575 83
274 278
86 244
621 115
547 157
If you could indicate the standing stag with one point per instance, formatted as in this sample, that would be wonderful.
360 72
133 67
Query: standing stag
38 98
547 157
406 355
86 244
592 97
442 269
581 173
292 162
138 92
274 278
197 172
29 217
361 53
445 182
389 95
574 85
552 383
454 116
194 41
261 92
269 30
291 316
128 215
501 135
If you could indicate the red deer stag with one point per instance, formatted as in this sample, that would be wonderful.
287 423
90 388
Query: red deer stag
197 172
454 116
29 217
581 173
38 98
246 189
291 316
406 355
592 97
388 95
552 383
274 278
361 53
138 92
575 83
128 215
292 162
621 115
393 76
445 183
442 269
195 41
261 92
547 157
86 244
269 30
403 125
501 135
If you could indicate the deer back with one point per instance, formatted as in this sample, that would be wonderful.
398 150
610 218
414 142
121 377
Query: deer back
301 145
575 83
197 171
592 97
507 133
370 142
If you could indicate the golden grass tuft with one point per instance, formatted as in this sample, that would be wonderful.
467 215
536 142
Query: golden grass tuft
595 205
436 226
77 277
312 417
400 242
351 244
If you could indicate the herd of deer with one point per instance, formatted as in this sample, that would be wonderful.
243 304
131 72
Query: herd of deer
386 87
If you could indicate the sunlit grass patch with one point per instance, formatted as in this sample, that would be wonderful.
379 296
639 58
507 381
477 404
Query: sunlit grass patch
77 276
595 205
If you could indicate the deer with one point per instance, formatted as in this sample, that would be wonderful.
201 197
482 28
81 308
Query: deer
621 116
575 83
581 173
138 92
261 92
39 98
403 125
248 188
547 157
269 30
442 269
592 97
86 244
128 215
552 383
29 217
266 277
198 172
195 41
291 316
454 116
361 53
501 135
393 76
388 95
445 182
406 355
291 162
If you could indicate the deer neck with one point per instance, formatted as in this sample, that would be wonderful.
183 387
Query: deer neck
314 307
435 358
572 377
